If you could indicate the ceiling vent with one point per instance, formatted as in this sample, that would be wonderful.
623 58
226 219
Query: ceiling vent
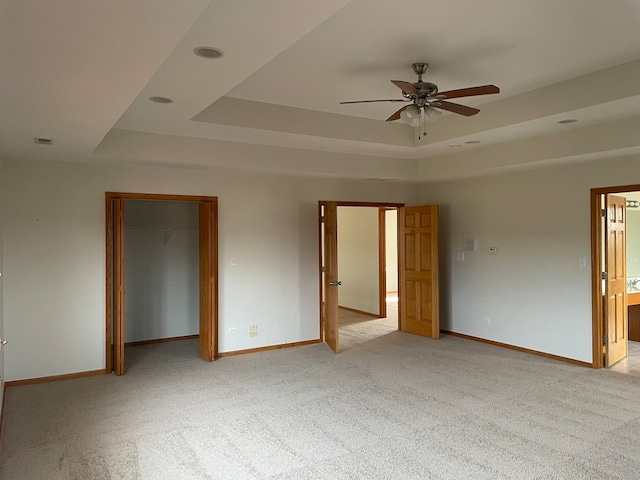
43 141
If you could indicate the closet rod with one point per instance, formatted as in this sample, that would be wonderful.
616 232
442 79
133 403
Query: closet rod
156 228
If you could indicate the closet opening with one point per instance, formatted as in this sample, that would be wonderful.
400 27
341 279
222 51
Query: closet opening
161 272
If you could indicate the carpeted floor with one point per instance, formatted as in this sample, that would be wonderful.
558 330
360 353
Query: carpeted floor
396 406
357 329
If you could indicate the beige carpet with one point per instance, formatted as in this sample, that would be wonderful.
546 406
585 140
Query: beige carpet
357 329
395 406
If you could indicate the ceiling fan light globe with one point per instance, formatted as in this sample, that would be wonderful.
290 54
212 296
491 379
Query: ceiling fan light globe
433 114
410 115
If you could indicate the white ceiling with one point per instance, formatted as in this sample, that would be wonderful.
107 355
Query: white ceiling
81 73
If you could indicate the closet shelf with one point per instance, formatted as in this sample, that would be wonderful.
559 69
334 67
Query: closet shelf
161 228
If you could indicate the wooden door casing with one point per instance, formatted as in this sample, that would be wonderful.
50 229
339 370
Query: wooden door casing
418 282
118 285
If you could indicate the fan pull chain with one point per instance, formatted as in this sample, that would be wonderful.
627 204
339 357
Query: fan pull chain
422 124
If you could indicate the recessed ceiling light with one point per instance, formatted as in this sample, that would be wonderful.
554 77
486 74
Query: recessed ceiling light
567 121
160 100
472 142
43 141
208 52
453 147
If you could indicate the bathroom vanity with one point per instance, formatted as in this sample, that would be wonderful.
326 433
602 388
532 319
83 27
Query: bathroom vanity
633 302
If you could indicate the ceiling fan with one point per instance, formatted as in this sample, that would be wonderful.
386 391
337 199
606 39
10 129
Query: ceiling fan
425 98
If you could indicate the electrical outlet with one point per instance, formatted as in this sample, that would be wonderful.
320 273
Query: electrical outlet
493 250
253 333
233 330
253 328
486 320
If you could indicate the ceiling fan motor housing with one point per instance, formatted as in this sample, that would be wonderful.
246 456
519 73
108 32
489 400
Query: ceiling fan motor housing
425 89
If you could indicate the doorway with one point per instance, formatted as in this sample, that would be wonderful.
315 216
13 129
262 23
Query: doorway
417 260
115 273
615 299
367 256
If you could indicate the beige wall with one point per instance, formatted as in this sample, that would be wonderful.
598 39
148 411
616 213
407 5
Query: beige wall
391 243
633 242
162 281
358 258
55 255
533 291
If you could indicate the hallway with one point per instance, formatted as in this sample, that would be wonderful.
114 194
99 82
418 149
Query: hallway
631 364
357 329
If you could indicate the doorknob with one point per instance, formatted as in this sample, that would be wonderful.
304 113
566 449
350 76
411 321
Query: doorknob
335 283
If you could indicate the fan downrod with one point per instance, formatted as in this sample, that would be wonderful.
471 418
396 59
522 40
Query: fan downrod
419 68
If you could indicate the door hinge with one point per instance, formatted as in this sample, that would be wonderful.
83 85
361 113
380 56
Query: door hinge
603 213
604 275
605 339
322 219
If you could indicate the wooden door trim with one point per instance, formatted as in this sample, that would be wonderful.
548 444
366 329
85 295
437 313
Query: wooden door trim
160 197
597 327
109 197
118 285
320 272
109 285
382 262
381 206
364 204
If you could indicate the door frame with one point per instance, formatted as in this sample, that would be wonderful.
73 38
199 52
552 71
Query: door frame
109 256
382 207
382 256
598 328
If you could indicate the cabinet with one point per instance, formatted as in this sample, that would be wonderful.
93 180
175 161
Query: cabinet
633 301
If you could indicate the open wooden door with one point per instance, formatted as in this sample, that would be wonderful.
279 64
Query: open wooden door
208 279
616 319
118 286
418 282
331 282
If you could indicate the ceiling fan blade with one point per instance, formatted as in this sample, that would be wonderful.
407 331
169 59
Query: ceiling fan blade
469 92
371 101
406 87
456 108
396 116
